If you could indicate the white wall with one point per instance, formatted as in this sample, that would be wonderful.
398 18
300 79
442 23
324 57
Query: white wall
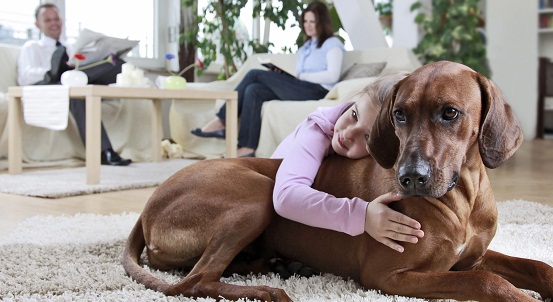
406 32
361 23
511 27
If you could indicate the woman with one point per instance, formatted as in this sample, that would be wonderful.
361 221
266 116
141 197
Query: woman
319 62
344 130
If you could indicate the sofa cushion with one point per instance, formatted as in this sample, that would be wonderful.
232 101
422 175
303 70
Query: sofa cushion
8 61
363 70
345 90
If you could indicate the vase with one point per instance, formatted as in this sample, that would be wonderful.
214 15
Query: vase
175 82
74 78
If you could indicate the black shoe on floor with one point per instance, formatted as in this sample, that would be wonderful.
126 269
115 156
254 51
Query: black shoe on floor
111 158
216 134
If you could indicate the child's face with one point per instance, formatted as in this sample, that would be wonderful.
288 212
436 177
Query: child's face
353 128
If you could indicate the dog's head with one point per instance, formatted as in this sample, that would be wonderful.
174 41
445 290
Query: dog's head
436 120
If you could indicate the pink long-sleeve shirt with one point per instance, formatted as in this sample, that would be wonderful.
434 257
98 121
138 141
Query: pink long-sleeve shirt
303 152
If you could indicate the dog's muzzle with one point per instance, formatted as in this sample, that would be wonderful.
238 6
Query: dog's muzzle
453 182
414 177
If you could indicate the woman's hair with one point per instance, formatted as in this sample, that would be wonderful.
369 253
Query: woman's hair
322 18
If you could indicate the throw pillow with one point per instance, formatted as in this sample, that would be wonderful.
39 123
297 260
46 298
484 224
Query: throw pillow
363 70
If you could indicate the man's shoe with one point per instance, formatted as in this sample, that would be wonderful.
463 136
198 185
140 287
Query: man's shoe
111 158
58 63
216 134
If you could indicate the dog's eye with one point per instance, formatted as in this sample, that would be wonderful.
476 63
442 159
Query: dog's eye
450 114
399 115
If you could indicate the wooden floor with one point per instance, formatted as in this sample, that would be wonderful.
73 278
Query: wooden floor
527 175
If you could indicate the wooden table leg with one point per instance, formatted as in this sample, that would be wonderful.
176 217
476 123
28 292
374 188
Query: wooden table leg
93 139
157 130
231 127
15 123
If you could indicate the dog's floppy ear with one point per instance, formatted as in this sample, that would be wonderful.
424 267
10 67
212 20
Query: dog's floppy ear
383 143
500 134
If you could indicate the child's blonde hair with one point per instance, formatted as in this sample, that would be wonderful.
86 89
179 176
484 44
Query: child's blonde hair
379 90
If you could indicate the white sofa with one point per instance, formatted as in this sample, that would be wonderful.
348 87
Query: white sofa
127 124
279 118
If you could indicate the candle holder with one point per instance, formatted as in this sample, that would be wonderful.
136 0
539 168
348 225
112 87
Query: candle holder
130 76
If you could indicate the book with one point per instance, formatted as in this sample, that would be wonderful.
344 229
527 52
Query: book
267 63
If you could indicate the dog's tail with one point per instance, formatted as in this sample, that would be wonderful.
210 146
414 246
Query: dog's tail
131 256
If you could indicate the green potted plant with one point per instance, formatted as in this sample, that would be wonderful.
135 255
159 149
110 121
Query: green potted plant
225 14
223 26
450 33
384 9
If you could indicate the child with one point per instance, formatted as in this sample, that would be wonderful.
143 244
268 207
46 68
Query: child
343 129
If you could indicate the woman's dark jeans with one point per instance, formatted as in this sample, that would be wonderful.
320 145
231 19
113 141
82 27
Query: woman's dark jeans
259 86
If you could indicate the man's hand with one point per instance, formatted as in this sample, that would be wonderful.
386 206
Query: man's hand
388 226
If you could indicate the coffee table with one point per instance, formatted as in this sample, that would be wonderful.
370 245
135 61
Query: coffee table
93 95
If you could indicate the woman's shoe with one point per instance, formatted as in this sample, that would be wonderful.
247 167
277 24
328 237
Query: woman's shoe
216 134
249 155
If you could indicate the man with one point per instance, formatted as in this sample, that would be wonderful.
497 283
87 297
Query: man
42 62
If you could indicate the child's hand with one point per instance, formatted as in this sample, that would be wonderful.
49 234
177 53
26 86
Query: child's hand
387 226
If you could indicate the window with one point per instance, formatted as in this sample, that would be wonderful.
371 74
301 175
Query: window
148 21
143 20
245 27
17 23
138 25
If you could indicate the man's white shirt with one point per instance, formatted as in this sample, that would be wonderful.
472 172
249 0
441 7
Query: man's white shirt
35 60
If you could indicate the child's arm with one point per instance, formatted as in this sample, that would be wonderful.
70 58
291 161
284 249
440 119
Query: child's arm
388 226
295 199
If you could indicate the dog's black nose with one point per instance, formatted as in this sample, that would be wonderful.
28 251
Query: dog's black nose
414 176
406 181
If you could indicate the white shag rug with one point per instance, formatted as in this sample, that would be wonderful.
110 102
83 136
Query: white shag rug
77 258
66 182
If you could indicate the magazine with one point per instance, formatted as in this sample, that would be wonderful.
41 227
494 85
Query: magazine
96 46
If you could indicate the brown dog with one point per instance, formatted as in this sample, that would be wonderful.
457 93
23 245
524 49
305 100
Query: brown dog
438 130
